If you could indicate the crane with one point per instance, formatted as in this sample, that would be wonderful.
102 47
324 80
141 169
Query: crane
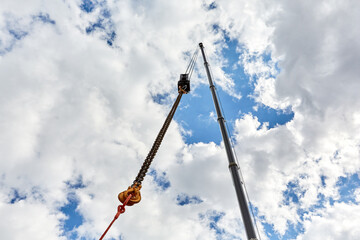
132 195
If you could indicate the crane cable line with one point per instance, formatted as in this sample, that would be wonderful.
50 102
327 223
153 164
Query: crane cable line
191 66
181 89
132 195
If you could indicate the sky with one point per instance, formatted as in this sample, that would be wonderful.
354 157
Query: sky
85 86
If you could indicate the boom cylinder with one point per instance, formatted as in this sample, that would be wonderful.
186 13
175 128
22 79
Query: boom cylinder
233 167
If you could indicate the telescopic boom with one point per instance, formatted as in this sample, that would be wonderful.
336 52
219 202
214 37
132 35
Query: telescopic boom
244 209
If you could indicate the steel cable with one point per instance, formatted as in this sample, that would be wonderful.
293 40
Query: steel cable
149 158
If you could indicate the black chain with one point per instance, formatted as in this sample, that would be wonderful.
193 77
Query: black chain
147 162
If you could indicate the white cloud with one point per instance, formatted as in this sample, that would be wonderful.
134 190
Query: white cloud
334 222
26 219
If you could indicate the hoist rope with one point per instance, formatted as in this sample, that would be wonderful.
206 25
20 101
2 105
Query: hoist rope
132 195
149 158
121 209
193 63
144 168
191 66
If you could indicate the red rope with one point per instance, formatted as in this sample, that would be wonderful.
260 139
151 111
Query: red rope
121 209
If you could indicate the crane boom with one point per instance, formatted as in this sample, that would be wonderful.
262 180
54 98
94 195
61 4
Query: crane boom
233 167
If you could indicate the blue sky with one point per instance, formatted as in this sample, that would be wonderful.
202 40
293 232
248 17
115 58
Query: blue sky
85 86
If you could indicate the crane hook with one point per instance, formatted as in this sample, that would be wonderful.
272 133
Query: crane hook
134 190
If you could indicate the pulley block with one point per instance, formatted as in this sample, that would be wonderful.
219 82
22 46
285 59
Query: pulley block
184 83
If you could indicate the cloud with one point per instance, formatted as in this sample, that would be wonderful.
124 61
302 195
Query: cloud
18 219
325 224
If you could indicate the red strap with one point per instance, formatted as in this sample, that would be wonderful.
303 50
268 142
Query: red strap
121 209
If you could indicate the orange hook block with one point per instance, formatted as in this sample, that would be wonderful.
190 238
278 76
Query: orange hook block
135 195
